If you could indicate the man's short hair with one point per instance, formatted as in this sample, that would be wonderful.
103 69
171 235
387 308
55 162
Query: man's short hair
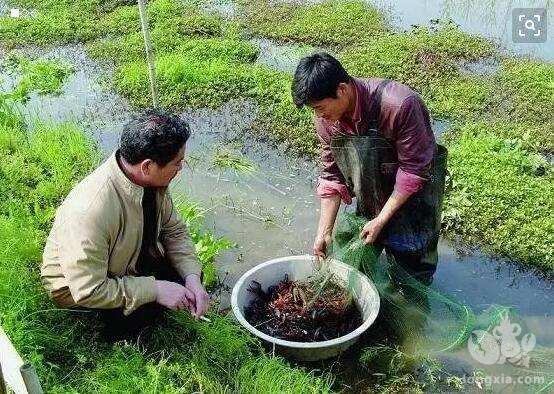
154 134
317 77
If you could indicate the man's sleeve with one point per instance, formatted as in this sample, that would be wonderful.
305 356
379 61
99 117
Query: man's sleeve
331 181
176 240
415 145
83 254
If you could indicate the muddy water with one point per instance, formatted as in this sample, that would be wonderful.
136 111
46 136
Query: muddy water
273 212
268 213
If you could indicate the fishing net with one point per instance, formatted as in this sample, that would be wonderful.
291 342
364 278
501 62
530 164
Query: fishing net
415 312
420 317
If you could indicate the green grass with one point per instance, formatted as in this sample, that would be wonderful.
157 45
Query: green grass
179 18
40 168
226 159
502 196
526 88
529 84
200 48
68 21
37 171
56 22
332 23
273 375
460 98
278 118
426 59
184 81
40 76
430 50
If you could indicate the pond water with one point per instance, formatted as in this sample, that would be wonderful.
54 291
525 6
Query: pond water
282 57
491 19
273 212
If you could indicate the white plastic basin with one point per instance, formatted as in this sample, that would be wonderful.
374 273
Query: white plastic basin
299 268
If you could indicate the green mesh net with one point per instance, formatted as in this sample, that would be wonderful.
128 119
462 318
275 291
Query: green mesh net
431 319
421 317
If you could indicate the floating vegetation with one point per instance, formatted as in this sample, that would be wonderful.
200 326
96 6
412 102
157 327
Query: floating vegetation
226 159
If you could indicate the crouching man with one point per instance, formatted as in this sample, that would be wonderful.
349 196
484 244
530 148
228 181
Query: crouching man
117 243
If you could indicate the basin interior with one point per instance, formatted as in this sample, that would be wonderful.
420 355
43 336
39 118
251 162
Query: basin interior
300 268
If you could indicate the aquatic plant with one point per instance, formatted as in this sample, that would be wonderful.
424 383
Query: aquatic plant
207 245
200 48
184 81
40 76
501 197
397 371
426 59
226 159
331 23
51 22
527 88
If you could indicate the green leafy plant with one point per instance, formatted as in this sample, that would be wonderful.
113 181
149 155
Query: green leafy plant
40 76
208 246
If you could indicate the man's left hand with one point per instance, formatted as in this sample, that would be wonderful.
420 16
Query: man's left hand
201 301
371 230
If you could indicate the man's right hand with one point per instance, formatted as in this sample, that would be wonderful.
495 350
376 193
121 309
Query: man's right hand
321 244
329 208
172 295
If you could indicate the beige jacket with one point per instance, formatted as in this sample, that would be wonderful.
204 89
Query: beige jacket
96 237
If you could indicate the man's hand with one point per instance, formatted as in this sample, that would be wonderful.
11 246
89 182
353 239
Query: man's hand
172 295
321 244
329 209
200 302
371 230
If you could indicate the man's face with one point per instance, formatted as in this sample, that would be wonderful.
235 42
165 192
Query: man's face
158 176
332 109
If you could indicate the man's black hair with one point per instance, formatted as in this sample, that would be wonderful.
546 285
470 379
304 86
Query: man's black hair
154 134
317 77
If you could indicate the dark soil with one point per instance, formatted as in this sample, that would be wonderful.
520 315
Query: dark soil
291 311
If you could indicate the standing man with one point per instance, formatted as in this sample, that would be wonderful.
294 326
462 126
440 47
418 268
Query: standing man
117 242
377 145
